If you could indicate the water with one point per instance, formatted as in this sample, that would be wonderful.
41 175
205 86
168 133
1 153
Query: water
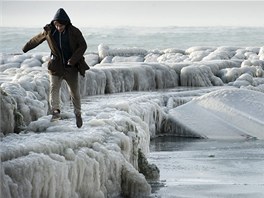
13 39
208 168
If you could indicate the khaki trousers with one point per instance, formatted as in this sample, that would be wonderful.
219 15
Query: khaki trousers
71 78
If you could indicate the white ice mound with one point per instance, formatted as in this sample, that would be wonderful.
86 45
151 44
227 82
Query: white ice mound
200 76
223 114
121 77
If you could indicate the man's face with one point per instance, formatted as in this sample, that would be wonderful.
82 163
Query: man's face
59 26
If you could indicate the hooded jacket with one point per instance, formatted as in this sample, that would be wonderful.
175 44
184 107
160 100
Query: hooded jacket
74 48
62 17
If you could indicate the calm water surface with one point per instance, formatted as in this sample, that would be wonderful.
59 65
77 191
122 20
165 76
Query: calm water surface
208 168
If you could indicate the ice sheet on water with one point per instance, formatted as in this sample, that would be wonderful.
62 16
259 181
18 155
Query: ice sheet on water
225 114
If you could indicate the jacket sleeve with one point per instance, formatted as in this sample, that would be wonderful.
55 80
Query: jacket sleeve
34 42
80 48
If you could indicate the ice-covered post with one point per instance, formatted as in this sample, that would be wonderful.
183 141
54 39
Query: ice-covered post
103 51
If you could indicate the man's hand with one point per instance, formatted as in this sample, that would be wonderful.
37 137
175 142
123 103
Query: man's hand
69 62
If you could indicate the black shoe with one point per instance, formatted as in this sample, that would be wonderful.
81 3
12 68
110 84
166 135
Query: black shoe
55 115
79 121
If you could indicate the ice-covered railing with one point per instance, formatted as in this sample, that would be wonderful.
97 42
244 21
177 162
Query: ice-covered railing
104 51
226 63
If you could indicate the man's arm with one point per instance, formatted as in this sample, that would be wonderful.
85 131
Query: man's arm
34 42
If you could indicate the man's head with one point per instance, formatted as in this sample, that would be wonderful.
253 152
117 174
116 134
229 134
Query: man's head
59 25
61 20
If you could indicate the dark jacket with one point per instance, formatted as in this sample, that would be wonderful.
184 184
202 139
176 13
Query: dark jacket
77 45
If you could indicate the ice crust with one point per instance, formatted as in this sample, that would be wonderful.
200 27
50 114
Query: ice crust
223 114
101 159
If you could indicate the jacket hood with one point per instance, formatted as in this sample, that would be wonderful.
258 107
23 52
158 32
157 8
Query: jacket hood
62 17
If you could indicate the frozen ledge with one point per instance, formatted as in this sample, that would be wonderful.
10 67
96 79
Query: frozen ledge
102 159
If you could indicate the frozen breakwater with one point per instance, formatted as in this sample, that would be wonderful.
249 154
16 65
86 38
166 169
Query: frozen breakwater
102 158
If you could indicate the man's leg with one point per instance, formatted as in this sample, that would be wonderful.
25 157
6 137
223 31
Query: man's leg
54 97
72 81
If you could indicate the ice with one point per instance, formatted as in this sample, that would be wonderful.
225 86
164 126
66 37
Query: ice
117 132
9 65
199 55
32 62
201 76
129 97
127 59
172 58
91 59
224 114
9 107
200 49
104 51
221 53
232 74
152 57
122 77
244 80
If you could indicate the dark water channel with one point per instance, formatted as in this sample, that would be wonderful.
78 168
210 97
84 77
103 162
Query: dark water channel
196 168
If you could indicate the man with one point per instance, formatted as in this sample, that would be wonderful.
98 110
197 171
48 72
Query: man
67 47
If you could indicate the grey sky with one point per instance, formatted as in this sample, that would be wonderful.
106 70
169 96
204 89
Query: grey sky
134 13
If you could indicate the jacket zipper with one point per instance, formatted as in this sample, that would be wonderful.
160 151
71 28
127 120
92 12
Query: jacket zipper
63 61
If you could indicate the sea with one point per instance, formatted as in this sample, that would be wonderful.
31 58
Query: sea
150 38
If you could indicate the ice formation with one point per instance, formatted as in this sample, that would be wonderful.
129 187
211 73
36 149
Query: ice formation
223 114
102 158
